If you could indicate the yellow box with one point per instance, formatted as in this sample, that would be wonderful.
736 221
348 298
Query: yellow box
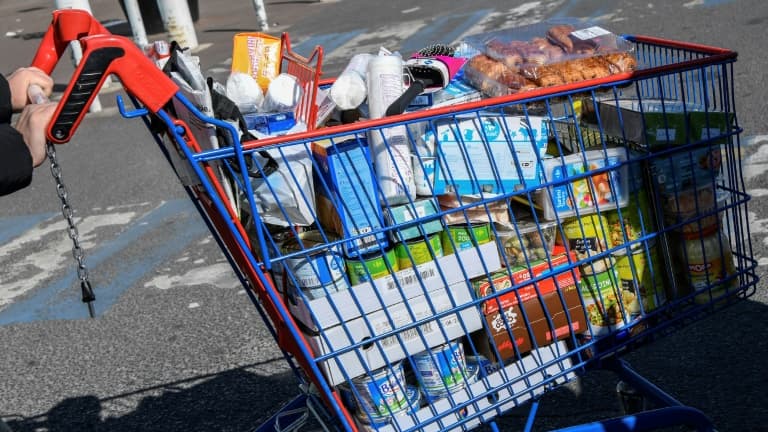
258 55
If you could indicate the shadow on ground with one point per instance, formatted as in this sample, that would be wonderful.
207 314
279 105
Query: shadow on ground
235 400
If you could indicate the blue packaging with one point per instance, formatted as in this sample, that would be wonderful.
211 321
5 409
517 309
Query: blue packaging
270 123
347 196
487 153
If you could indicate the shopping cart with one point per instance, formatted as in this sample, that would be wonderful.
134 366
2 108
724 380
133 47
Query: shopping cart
447 308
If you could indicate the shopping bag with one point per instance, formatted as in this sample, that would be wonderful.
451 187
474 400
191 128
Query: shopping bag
281 178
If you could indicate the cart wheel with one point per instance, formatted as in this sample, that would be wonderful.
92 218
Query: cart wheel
630 399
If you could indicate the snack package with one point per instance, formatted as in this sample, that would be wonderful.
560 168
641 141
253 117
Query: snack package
544 55
258 55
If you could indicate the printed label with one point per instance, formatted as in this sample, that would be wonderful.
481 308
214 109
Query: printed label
590 33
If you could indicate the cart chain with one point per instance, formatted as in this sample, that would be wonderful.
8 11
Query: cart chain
77 251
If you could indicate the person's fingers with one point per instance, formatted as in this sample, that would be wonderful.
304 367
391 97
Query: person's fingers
20 80
32 124
37 76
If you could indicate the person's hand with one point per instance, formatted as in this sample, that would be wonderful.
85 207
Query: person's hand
20 80
32 124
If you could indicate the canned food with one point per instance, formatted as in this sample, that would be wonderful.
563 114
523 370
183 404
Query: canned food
465 236
419 251
525 243
382 393
634 219
641 272
442 369
367 422
371 266
605 306
587 236
314 269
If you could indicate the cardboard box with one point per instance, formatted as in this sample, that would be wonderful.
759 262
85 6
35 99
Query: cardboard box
474 154
258 55
396 346
347 195
653 123
502 281
505 336
678 172
610 188
371 296
405 213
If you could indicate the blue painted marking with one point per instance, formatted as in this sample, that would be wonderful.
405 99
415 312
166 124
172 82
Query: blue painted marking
61 299
445 29
329 42
12 227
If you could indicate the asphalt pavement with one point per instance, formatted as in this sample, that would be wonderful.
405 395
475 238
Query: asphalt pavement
177 345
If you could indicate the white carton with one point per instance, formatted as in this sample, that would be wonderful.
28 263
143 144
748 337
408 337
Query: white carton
606 190
431 332
484 152
375 295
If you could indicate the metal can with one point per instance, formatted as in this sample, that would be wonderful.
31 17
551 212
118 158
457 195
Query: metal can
603 302
314 269
635 219
420 251
441 370
371 266
382 393
465 236
587 236
370 422
641 276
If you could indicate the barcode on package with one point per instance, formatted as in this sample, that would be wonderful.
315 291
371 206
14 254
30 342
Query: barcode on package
590 33
412 278
409 334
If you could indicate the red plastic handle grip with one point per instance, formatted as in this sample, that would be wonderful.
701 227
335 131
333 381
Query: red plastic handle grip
66 26
103 54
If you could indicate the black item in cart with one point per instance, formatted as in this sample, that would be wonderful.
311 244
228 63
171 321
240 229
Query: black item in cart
349 335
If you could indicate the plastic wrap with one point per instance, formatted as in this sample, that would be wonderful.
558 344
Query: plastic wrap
544 55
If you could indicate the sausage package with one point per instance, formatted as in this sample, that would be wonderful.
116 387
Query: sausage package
544 55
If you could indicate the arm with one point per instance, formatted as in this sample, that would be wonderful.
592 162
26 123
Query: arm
15 159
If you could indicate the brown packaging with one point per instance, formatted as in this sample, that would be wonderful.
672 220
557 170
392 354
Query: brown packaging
536 315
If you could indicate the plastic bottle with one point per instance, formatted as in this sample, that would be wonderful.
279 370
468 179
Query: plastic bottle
350 90
390 148
708 259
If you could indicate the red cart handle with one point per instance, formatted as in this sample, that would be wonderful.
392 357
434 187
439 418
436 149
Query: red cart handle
103 54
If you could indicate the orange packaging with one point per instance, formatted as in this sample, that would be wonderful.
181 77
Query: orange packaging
258 55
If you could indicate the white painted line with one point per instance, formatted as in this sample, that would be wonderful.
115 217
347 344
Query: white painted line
413 9
219 275
24 271
194 305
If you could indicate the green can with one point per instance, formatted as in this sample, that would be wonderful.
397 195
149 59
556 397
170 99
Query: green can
635 218
465 236
603 302
420 251
371 266
639 275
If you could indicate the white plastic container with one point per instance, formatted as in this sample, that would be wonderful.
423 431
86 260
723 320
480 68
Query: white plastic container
390 147
605 190
350 90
